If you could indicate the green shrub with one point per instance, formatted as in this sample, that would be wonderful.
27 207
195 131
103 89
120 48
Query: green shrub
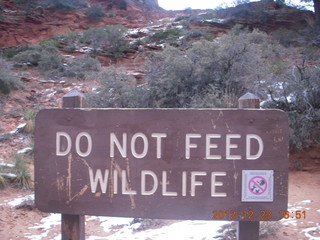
96 37
117 45
64 4
109 39
68 42
9 52
223 70
168 34
112 14
23 178
95 13
3 182
19 2
208 74
118 90
80 66
8 81
45 56
286 37
123 5
298 95
29 117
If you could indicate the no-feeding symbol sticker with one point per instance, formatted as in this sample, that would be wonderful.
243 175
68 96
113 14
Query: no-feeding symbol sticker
257 186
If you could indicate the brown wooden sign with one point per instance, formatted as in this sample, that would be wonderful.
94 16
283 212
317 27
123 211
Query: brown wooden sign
162 163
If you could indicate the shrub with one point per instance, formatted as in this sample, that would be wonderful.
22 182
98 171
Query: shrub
68 42
23 178
117 45
64 4
3 182
112 14
8 81
29 117
168 34
298 96
222 70
118 90
95 13
123 5
96 37
80 66
45 56
9 52
208 74
109 39
286 37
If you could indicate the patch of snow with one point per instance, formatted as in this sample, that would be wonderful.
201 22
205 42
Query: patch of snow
289 221
17 201
68 57
180 230
18 129
305 202
312 233
9 11
202 13
85 49
138 30
25 150
45 225
6 165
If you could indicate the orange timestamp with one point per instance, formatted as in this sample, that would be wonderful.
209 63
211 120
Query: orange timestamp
257 215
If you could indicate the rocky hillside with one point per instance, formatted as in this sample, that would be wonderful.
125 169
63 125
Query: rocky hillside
20 24
148 29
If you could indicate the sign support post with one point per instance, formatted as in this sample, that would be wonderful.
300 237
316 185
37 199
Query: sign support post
248 230
73 226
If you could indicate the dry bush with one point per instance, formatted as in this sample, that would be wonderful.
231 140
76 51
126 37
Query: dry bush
23 178
3 182
8 81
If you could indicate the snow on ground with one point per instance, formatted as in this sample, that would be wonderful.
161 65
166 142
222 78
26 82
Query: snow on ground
124 228
180 230
17 201
311 233
45 225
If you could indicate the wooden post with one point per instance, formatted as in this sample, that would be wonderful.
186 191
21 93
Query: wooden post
248 230
249 100
73 226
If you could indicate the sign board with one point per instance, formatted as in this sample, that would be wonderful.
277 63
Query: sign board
162 163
